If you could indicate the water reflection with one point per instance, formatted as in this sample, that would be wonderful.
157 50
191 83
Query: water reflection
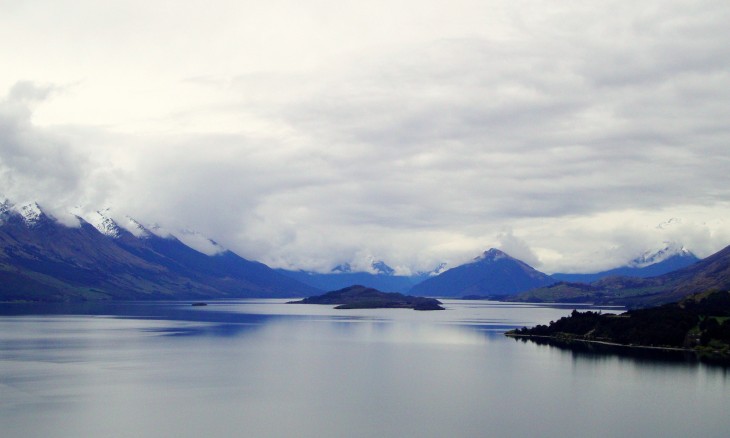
587 351
265 369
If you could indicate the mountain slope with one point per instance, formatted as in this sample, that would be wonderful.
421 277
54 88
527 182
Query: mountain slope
43 260
494 273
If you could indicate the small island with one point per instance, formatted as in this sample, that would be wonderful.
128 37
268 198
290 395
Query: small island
699 323
361 297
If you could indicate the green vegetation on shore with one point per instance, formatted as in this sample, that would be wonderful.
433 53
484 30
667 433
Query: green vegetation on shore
700 323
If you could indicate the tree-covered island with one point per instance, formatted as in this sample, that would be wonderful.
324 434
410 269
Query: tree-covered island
361 297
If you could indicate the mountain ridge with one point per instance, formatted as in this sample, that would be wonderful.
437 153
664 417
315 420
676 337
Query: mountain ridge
44 260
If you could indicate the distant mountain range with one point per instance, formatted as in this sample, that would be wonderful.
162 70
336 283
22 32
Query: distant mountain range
380 276
652 263
494 274
711 273
44 260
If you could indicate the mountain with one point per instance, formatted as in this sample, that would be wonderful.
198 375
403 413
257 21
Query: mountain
711 273
494 273
649 264
381 277
44 260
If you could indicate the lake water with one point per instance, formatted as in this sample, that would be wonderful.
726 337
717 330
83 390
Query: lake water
262 368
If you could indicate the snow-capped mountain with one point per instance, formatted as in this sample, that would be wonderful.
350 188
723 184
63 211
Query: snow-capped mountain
651 257
42 259
30 213
669 257
103 221
377 267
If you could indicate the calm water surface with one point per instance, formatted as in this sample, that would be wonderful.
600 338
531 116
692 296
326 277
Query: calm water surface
262 368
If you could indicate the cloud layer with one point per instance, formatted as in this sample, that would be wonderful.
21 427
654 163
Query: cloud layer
307 135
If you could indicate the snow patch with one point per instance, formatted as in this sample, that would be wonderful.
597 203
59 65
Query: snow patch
101 221
31 213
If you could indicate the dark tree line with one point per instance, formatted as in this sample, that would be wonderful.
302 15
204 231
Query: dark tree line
671 325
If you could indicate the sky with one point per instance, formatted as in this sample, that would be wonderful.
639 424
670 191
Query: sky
304 134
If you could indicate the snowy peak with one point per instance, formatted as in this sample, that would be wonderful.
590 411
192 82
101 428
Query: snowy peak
652 257
31 213
382 269
491 256
106 225
344 268
376 267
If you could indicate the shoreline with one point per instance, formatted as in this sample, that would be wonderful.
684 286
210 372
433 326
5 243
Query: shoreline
593 341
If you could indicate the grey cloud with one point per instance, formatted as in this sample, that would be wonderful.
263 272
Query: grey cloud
426 150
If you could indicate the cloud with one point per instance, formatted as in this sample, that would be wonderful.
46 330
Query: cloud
517 248
575 127
35 164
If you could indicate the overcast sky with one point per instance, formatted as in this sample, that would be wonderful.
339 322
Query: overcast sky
309 133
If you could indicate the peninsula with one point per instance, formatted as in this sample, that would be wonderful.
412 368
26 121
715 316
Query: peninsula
361 297
699 323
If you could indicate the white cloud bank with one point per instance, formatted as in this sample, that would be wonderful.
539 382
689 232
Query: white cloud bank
307 134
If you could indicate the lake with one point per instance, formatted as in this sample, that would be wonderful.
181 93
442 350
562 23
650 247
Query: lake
262 368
